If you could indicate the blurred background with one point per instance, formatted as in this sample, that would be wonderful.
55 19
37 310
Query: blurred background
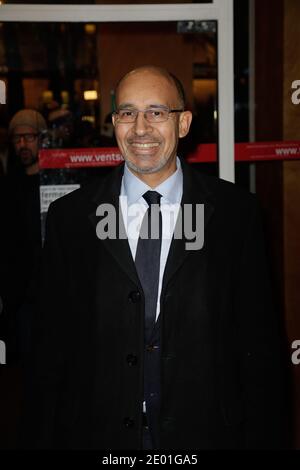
67 72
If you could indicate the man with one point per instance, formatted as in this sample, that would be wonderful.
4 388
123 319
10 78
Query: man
23 225
203 372
25 130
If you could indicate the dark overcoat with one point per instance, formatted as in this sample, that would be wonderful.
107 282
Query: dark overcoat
221 364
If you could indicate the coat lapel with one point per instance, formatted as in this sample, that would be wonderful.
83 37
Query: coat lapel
195 192
108 193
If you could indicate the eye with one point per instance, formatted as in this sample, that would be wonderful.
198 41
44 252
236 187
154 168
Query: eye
156 113
126 113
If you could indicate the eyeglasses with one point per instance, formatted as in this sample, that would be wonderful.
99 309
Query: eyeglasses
153 115
16 138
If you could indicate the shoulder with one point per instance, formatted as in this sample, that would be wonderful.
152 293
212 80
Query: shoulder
82 199
75 198
69 207
222 192
231 208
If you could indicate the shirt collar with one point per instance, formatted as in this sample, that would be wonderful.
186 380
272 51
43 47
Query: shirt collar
170 189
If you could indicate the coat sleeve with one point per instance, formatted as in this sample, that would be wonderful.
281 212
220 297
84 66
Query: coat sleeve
45 368
260 345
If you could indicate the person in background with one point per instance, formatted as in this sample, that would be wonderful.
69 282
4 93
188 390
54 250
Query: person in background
22 224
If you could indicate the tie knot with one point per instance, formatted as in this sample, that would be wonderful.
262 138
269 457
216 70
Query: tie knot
152 197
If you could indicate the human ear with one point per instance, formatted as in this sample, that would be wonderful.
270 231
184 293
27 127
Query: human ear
185 120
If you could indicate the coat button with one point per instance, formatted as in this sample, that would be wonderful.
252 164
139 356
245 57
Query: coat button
151 348
128 423
134 296
131 360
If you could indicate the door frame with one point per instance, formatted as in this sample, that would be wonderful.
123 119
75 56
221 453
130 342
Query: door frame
219 10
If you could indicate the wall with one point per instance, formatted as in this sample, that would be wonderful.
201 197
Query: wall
291 191
123 47
278 183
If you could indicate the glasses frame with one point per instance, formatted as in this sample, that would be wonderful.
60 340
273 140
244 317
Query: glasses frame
144 111
16 138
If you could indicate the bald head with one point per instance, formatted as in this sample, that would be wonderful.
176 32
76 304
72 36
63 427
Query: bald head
158 72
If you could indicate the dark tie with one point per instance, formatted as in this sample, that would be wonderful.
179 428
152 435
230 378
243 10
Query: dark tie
147 258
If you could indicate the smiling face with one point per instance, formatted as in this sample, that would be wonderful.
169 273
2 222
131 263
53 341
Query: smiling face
148 148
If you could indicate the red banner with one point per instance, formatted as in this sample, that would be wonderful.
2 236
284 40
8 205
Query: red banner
78 158
205 153
250 152
262 151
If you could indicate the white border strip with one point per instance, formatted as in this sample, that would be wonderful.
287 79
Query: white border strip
103 13
226 91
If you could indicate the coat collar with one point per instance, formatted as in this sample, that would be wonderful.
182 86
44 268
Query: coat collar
108 192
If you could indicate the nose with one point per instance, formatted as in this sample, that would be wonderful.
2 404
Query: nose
22 140
141 125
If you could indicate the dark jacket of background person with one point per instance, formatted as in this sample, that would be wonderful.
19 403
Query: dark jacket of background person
21 234
222 371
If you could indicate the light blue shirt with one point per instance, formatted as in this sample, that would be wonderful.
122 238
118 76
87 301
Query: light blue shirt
134 206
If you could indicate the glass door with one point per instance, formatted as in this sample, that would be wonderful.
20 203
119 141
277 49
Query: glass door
60 52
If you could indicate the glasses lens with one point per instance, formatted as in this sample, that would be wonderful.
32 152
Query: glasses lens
157 115
27 137
127 115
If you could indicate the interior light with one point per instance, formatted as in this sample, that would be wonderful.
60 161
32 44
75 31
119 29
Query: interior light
90 28
90 119
90 95
47 96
